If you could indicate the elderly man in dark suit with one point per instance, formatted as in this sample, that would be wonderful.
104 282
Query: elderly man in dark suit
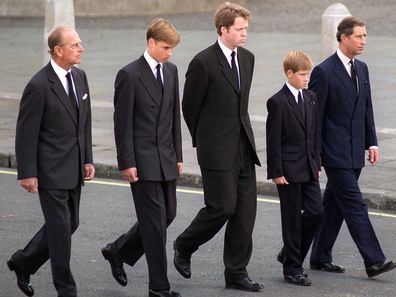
54 156
215 108
347 129
149 152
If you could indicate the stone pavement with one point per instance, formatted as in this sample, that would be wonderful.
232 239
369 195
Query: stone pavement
111 46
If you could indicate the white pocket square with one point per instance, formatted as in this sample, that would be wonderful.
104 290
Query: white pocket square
85 96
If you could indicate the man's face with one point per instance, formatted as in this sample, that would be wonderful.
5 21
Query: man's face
235 35
71 51
159 50
354 43
298 79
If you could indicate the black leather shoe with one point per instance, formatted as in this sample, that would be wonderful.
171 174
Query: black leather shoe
327 266
281 259
117 268
299 280
182 262
23 280
163 294
244 284
379 268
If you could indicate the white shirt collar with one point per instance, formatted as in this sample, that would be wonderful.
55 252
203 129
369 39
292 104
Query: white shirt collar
294 91
344 59
227 52
151 61
61 73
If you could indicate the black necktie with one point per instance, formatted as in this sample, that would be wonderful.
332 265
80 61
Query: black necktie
234 68
300 104
72 96
159 80
353 74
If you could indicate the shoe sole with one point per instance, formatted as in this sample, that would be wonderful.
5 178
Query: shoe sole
180 271
315 267
106 255
235 287
297 284
389 268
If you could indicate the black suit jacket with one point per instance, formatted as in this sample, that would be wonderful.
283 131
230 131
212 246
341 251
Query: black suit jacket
346 117
147 123
214 110
51 143
292 140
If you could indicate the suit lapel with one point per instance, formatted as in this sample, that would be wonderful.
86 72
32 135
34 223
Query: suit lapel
149 82
344 77
226 68
294 106
60 92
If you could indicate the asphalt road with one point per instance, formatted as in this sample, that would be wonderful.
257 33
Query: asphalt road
107 211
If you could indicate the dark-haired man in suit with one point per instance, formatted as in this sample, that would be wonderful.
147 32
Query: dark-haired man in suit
54 156
149 152
215 108
346 118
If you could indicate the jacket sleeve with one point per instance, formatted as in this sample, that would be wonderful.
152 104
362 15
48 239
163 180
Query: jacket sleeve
177 138
124 97
88 128
28 130
193 95
274 139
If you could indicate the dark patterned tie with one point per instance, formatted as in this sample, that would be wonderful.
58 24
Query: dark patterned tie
300 102
159 79
72 96
234 69
353 74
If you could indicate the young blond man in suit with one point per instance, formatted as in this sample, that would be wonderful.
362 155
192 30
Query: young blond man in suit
149 153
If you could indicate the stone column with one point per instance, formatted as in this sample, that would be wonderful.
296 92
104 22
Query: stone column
57 12
330 20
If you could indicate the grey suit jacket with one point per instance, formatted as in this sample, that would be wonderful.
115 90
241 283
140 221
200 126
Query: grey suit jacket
51 143
147 122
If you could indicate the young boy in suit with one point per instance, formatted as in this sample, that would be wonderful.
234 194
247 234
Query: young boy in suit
293 164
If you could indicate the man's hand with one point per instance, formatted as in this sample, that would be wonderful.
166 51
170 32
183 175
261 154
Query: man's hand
29 184
280 180
373 156
180 167
130 174
89 172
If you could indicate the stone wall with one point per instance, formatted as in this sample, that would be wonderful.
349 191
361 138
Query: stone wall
93 8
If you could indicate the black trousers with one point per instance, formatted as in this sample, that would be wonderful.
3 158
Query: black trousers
53 240
301 214
231 199
155 204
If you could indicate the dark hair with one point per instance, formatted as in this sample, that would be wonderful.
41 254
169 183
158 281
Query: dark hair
346 26
163 30
226 14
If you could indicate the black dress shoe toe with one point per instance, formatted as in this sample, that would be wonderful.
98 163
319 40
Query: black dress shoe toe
23 280
182 263
327 266
379 268
163 294
117 268
244 284
281 259
299 280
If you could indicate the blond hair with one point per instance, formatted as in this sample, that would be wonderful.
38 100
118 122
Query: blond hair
296 61
163 30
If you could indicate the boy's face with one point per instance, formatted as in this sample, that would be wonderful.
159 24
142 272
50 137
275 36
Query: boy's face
298 79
